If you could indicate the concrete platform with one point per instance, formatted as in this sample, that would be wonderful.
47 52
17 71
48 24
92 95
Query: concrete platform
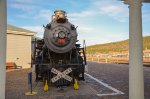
68 92
88 89
17 86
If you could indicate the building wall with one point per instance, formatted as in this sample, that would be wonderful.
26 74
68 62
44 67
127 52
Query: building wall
19 50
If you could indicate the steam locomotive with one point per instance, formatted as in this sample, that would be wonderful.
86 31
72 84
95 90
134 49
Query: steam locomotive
58 58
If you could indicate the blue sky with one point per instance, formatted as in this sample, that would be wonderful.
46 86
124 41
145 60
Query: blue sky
98 21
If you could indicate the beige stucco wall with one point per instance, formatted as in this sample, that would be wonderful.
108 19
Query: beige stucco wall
19 46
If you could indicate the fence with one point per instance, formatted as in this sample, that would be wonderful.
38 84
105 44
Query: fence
115 58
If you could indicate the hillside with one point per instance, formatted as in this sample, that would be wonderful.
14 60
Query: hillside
120 46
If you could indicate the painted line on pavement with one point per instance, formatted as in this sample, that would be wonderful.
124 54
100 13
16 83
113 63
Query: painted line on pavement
117 92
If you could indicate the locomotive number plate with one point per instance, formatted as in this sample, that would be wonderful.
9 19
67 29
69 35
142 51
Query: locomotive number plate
61 74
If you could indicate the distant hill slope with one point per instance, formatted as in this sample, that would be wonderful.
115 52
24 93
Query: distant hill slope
115 46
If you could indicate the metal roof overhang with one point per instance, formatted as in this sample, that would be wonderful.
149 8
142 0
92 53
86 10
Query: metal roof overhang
144 1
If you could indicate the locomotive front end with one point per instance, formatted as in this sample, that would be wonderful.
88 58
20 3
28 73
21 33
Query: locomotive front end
60 35
58 58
